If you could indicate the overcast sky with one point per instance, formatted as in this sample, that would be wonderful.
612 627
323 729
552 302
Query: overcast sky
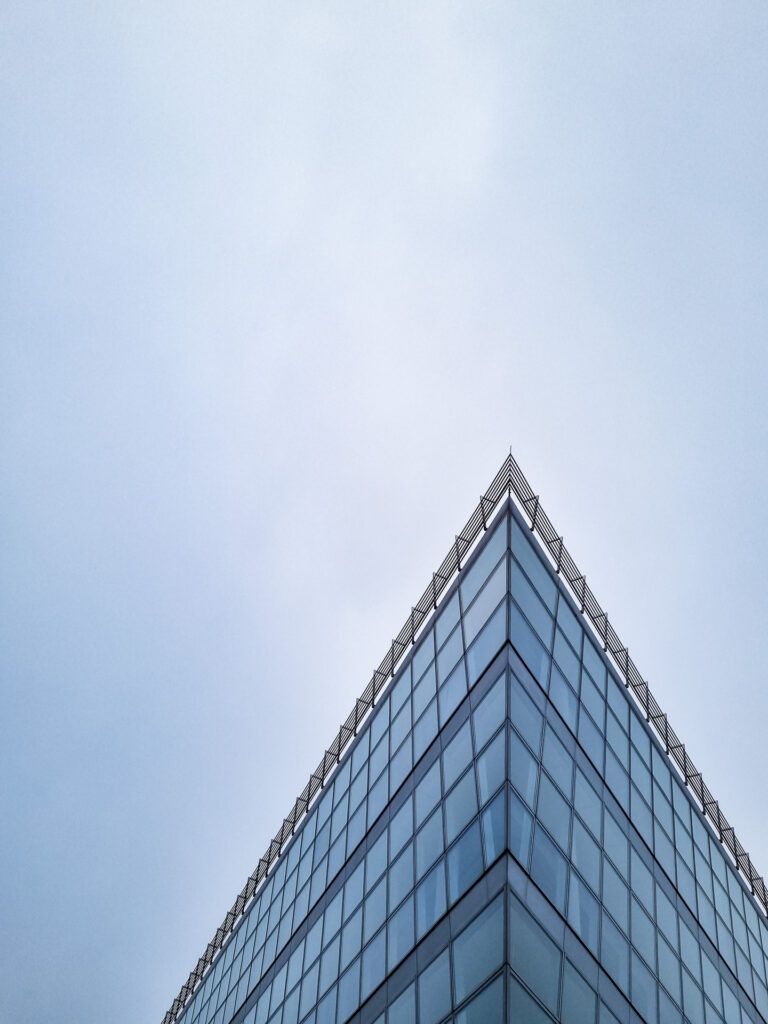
281 283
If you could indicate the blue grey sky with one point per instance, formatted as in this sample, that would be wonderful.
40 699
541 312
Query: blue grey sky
280 283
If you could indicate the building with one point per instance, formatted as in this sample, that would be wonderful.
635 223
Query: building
506 829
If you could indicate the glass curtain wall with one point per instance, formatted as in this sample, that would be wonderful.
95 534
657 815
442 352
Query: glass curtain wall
505 839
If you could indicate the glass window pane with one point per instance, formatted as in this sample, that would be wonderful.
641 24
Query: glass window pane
520 828
488 598
642 882
435 990
490 713
669 970
548 869
564 698
525 715
326 1011
352 938
523 769
427 793
615 896
643 934
591 740
666 917
425 729
692 1000
451 694
588 805
583 913
430 900
585 855
457 756
616 845
401 828
528 646
484 647
570 625
533 608
403 1009
400 933
527 556
375 909
478 951
478 572
349 991
567 660
494 830
490 768
375 861
485 1008
424 691
533 955
291 1007
465 862
643 990
309 990
429 843
448 618
448 655
332 917
401 877
594 664
557 761
614 951
579 1001
312 942
460 806
523 1008
329 965
374 964
553 811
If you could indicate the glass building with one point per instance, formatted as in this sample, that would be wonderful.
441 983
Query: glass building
505 838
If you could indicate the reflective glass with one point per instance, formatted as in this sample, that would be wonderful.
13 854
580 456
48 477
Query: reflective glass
535 570
435 990
429 842
374 964
479 949
523 769
460 806
400 933
526 716
584 913
430 900
523 1008
494 828
457 755
465 862
579 1001
553 811
548 869
485 1008
490 713
585 855
486 601
490 768
403 1009
533 955
480 569
520 829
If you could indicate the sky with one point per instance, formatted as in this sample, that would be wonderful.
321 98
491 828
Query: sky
280 284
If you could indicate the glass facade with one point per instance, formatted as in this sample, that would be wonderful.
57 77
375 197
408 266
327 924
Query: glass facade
504 840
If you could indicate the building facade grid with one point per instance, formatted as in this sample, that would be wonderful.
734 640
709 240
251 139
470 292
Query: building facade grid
505 839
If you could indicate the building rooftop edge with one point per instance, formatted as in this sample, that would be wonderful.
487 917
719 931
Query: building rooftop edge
509 482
